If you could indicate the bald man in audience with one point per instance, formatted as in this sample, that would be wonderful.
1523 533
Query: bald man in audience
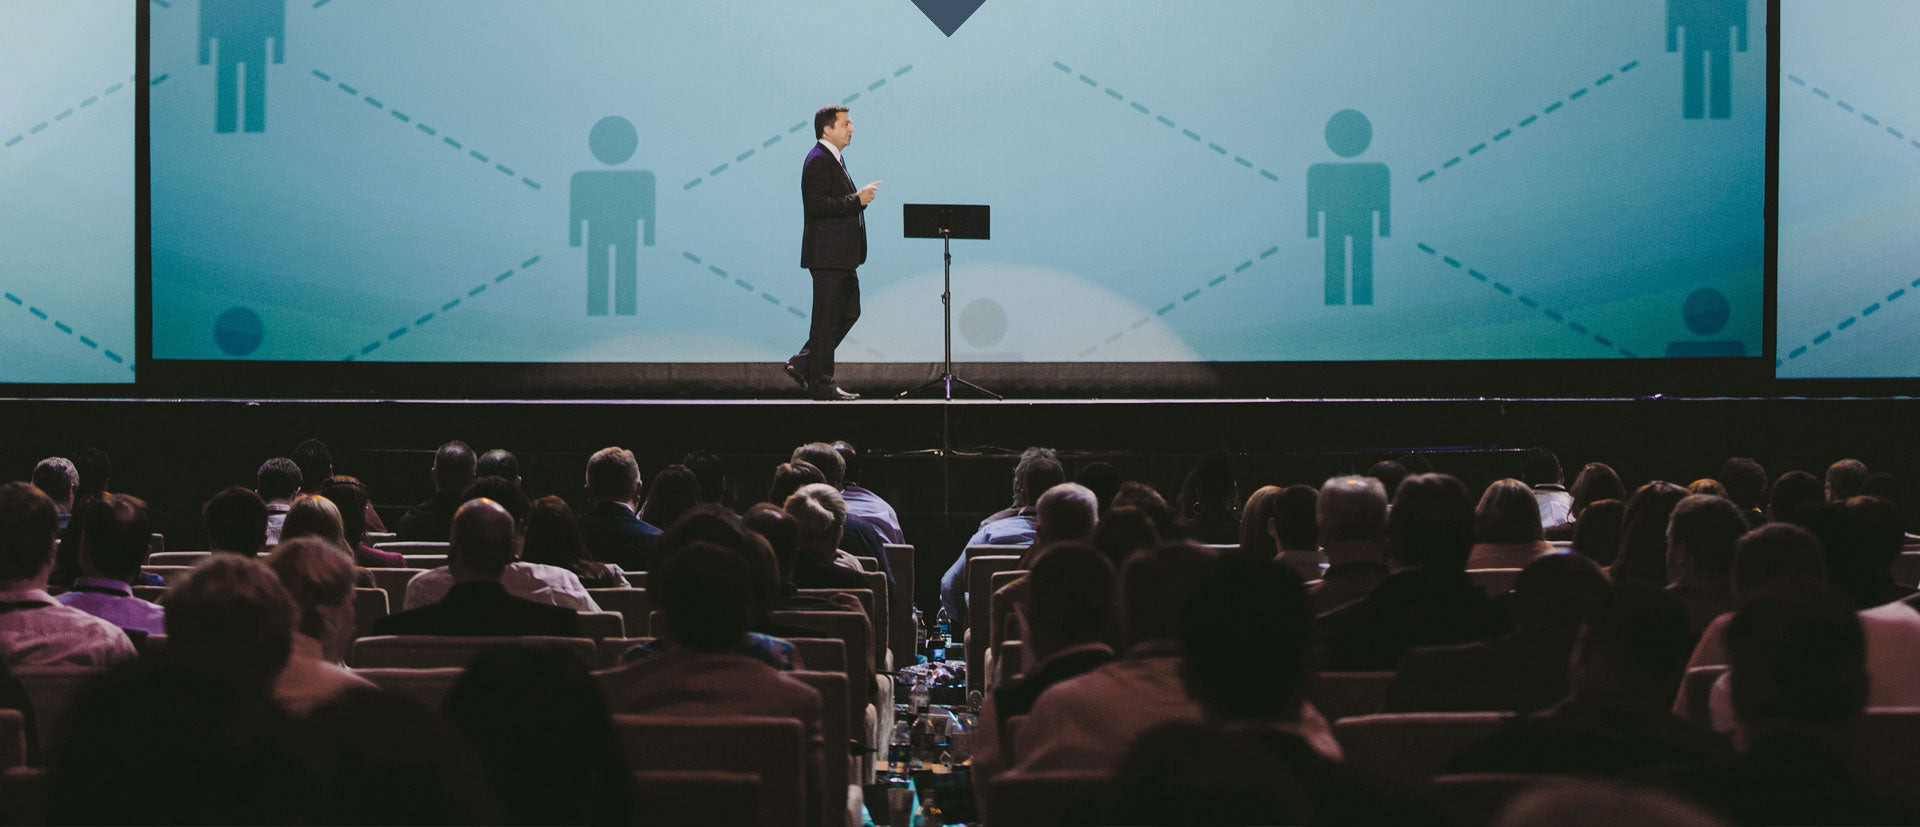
36 630
482 543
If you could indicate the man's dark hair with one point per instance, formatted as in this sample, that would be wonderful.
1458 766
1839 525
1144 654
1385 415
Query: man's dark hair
1246 641
498 462
96 472
1539 466
674 492
612 472
536 721
1798 656
1558 591
57 477
453 466
1102 479
1708 527
1793 491
1154 587
1844 479
1431 524
711 472
1209 484
504 492
1139 495
1034 474
28 523
278 479
704 592
350 497
231 617
1122 531
791 477
116 536
1390 474
316 464
824 118
1296 518
236 520
825 458
1072 593
1746 482
1596 534
1772 552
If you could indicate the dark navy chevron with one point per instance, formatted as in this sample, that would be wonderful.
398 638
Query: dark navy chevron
949 15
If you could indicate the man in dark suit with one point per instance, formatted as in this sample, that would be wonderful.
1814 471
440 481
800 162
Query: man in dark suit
611 526
833 245
482 543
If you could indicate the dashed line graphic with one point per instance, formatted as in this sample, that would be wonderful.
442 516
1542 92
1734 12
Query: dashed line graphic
67 329
792 309
1529 302
404 118
444 309
1167 122
791 130
1505 134
1897 133
1188 296
69 112
1826 335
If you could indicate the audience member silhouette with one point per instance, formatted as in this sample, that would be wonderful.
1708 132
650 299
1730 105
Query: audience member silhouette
236 521
540 583
278 482
1844 478
1507 531
1643 534
1540 470
498 462
116 541
57 478
1389 473
1209 500
1293 526
789 477
315 462
1122 531
539 725
1037 471
1255 540
1793 491
611 525
711 472
432 520
36 630
1103 479
1596 535
1352 519
553 539
1428 599
317 517
1596 481
673 492
860 536
864 503
482 544
818 513
1700 542
379 758
351 498
1139 495
320 580
1746 482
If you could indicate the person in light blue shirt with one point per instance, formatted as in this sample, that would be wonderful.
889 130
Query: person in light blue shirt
1037 471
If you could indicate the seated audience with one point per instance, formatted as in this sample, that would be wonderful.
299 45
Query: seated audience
864 503
236 521
1103 479
57 478
318 517
1389 474
1428 600
1522 671
350 497
673 492
1861 563
537 582
1643 534
1248 660
1746 484
1255 540
1768 555
1883 485
482 544
278 482
112 550
1625 668
193 737
1844 479
702 591
611 526
1596 481
95 469
1209 501
1596 533
818 514
782 536
498 462
316 473
553 539
377 757
1799 685
320 580
1793 491
1141 496
539 725
1506 528
711 473
1292 524
860 536
1709 486
1546 483
1351 514
1088 722
717 526
1066 513
1122 531
1700 542
35 629
431 520
1036 472
789 477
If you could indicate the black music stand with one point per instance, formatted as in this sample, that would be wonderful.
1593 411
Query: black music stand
948 222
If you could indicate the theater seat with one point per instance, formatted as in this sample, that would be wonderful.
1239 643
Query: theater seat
177 558
52 690
1496 582
1410 748
13 739
676 798
1349 694
369 605
1696 693
771 749
1043 799
428 686
435 651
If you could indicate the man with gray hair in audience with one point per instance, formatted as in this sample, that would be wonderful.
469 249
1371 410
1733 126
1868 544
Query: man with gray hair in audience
1067 513
57 478
611 526
1352 517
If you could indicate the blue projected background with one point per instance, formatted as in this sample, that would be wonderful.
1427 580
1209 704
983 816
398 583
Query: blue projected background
1492 179
1849 189
66 191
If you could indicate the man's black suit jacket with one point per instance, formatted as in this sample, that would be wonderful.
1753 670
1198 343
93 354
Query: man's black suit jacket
835 238
615 535
481 608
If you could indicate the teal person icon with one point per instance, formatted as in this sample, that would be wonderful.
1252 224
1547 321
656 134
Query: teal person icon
1706 312
1711 27
611 204
1349 195
241 29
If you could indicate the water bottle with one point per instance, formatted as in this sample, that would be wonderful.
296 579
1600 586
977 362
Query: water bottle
919 635
900 750
943 630
920 697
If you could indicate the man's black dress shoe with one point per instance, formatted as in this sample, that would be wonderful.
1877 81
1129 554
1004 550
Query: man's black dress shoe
836 395
798 377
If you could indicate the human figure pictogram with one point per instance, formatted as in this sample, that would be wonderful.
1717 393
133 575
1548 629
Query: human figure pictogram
1349 195
238 31
610 204
1713 30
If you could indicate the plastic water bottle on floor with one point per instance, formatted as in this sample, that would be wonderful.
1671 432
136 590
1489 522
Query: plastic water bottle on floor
943 629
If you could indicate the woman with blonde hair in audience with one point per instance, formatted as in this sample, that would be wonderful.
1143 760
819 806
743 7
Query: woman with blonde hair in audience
1506 528
320 579
316 516
820 514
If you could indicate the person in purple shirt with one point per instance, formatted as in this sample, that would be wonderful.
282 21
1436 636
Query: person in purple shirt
113 548
865 503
